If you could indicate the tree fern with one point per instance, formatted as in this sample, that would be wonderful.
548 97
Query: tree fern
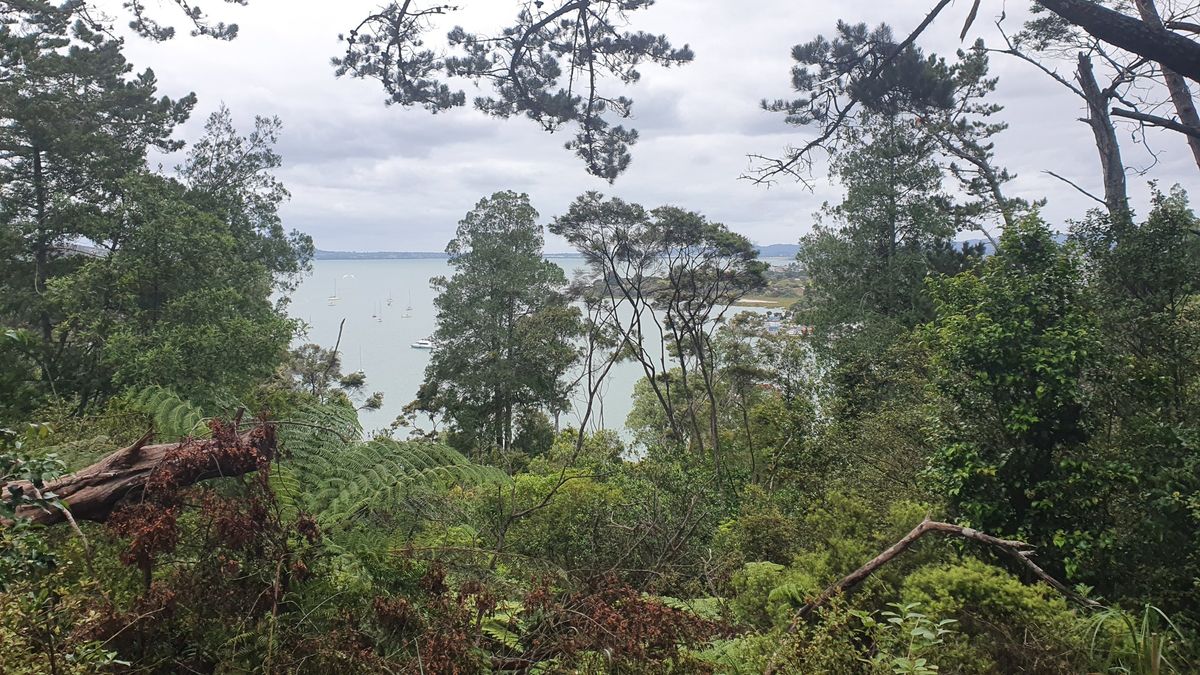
316 430
325 468
382 473
173 418
329 472
505 626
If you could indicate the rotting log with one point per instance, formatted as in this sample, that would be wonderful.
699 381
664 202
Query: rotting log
1018 551
142 469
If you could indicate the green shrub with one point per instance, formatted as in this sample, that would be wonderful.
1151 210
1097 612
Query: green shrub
1003 625
759 532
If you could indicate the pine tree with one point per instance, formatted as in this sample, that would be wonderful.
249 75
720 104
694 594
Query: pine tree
74 122
505 329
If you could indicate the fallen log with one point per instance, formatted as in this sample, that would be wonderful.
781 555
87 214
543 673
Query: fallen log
142 470
1018 551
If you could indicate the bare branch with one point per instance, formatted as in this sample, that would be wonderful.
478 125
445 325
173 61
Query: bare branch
1072 184
1155 120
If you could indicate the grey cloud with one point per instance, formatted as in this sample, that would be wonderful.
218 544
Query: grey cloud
367 176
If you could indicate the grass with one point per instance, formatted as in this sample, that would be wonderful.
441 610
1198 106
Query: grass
769 301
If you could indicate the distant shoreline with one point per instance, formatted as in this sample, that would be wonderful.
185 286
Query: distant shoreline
768 251
402 255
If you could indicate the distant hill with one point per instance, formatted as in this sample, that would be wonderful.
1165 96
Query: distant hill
401 255
376 255
778 250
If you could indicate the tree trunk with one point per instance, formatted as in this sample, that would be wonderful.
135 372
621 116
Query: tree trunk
1181 94
1115 196
94 492
41 253
1172 50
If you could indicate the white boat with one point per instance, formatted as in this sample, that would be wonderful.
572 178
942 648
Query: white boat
423 343
334 298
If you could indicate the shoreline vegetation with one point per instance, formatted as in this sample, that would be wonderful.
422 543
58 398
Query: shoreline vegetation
769 251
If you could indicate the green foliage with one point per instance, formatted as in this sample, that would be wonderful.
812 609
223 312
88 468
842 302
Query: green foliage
1145 289
905 638
1009 348
174 284
571 530
36 633
768 594
318 372
312 429
761 531
505 625
1047 392
382 474
20 376
1122 643
893 229
542 66
229 175
74 122
706 608
683 270
329 472
504 329
24 553
1003 625
173 418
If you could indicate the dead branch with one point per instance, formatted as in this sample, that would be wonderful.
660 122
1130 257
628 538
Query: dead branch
1155 120
1076 186
92 493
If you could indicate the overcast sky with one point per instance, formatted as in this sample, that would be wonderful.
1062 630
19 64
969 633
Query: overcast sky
368 177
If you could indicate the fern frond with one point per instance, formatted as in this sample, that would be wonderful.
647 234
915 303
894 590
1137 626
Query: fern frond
173 418
336 476
383 473
705 608
504 624
286 487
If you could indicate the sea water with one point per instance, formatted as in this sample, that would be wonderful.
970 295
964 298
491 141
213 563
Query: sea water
387 305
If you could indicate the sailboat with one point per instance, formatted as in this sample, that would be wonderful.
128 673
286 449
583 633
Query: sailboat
333 299
379 313
408 309
389 299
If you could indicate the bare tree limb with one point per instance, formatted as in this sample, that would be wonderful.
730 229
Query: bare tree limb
1172 50
1155 120
1185 26
1099 119
1181 94
1076 186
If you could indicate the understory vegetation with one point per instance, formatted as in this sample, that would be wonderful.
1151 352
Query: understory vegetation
942 457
